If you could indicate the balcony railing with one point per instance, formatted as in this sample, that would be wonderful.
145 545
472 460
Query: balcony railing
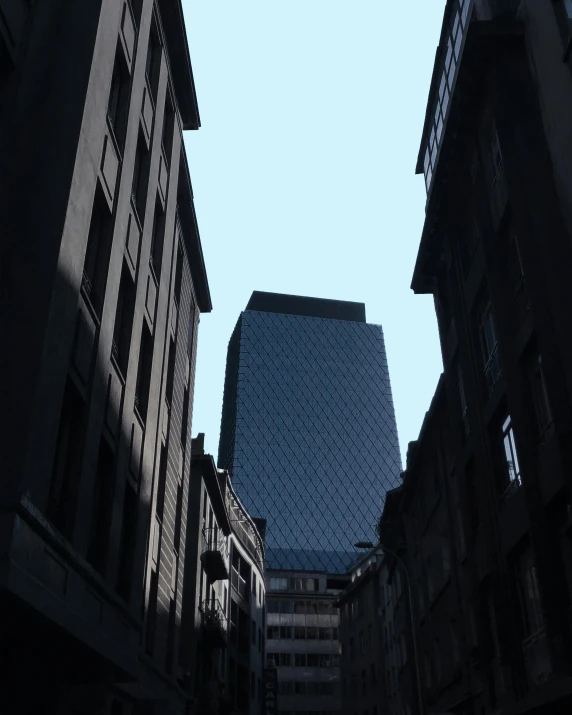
214 554
492 369
214 623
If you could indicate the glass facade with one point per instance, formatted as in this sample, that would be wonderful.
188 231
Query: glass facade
308 431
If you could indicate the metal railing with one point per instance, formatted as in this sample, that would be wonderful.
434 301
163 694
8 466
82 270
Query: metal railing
213 617
214 540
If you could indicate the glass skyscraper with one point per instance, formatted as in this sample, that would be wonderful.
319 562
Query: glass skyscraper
308 427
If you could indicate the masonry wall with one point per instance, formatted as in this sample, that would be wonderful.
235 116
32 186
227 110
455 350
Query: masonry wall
94 301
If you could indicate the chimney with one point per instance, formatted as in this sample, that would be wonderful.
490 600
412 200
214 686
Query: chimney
198 445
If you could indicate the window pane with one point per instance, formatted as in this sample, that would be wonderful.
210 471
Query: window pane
458 43
445 102
449 54
451 72
439 128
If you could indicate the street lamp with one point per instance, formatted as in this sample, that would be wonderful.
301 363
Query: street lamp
370 545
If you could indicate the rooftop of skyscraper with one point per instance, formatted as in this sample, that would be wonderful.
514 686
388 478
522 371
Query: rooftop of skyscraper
309 307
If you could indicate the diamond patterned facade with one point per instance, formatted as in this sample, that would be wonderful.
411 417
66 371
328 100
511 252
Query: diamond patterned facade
308 431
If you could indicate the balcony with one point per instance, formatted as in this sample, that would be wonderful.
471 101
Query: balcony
214 554
213 621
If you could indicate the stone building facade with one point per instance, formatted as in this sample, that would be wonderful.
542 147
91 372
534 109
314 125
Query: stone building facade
302 639
225 596
102 284
486 502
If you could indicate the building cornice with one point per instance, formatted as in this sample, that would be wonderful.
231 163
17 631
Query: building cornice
191 237
173 22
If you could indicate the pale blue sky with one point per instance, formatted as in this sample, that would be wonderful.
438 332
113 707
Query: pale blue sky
304 173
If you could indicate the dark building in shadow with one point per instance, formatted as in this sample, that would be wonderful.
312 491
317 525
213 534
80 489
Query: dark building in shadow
224 604
101 285
484 518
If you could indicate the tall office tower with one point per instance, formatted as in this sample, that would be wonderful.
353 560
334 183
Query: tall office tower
308 428
101 285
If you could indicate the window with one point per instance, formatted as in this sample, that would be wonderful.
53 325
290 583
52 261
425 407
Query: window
168 127
512 465
128 541
516 271
178 519
137 6
162 482
540 397
489 345
118 103
153 63
143 383
496 156
170 382
464 415
140 177
157 240
123 320
96 264
67 462
278 584
185 418
273 632
299 632
300 659
469 239
101 507
151 613
472 500
179 274
285 631
254 585
530 595
171 631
